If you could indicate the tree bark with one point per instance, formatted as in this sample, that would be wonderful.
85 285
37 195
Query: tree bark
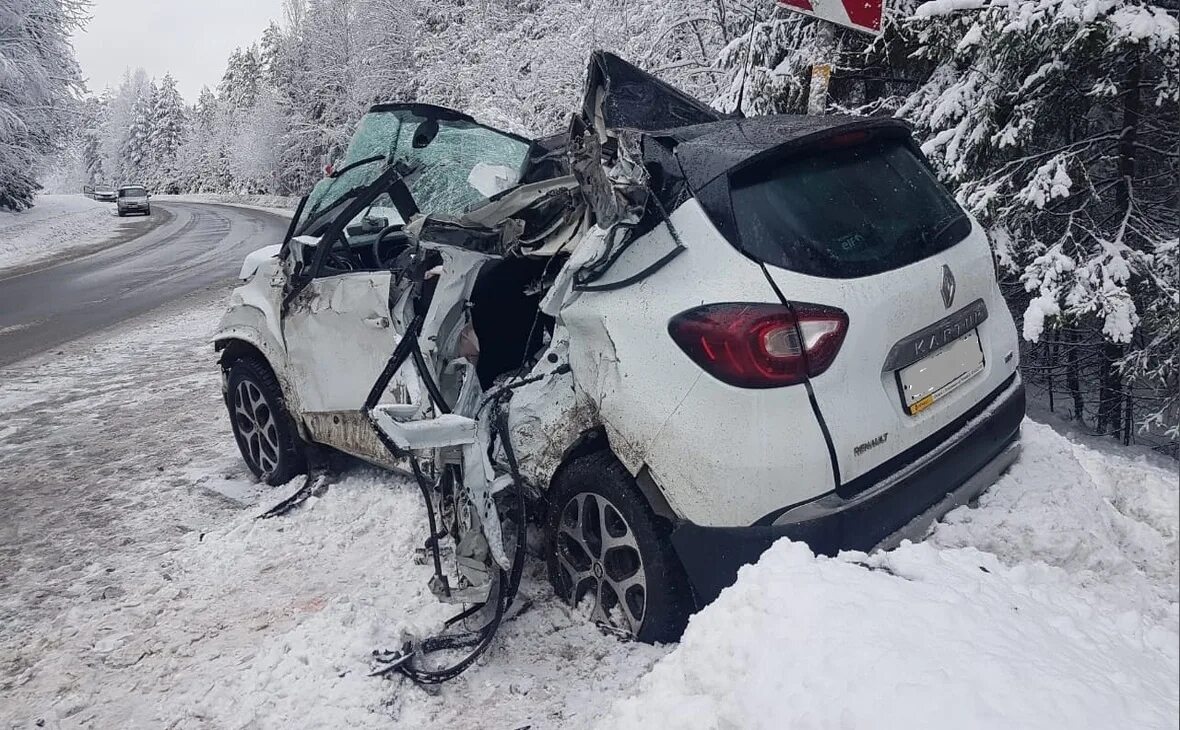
1110 397
1071 381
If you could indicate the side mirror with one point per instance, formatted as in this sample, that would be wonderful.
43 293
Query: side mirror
373 224
425 133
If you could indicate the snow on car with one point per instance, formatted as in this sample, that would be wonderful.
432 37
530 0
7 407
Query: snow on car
666 337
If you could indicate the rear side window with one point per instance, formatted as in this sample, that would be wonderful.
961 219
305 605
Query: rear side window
845 211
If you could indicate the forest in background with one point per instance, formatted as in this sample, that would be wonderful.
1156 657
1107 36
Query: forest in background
1054 121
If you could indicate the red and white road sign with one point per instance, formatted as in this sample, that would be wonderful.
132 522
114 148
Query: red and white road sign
862 15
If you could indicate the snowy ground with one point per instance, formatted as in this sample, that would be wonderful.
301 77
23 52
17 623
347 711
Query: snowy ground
60 224
135 593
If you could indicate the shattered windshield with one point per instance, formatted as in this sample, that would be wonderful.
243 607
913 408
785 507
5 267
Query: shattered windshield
455 164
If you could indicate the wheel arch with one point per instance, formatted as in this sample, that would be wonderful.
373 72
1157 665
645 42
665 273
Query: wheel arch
596 439
233 349
236 343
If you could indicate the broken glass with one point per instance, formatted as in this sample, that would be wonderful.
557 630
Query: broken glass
453 169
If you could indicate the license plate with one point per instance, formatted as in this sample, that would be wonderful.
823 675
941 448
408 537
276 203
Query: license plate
937 374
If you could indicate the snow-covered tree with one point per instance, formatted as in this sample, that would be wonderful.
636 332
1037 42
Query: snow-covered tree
120 115
1055 122
39 88
136 153
166 134
242 79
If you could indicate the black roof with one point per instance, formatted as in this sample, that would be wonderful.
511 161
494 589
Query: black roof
705 142
707 151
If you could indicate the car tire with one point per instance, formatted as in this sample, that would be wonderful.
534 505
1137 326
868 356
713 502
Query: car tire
594 499
263 428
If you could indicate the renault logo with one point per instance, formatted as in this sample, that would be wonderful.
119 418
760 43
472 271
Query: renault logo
948 286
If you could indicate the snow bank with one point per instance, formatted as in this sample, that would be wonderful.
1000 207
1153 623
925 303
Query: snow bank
54 224
1110 520
282 204
1069 619
915 638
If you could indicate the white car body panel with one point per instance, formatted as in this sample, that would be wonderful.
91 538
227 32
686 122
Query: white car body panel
253 314
859 401
722 455
347 316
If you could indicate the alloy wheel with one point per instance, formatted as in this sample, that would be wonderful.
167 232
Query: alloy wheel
599 556
255 422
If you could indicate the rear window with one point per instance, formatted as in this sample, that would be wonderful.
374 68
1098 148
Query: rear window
845 211
132 193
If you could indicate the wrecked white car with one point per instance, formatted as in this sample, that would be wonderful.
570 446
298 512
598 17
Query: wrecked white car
667 337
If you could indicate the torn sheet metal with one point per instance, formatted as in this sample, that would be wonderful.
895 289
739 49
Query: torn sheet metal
547 416
432 433
478 476
591 247
443 322
350 432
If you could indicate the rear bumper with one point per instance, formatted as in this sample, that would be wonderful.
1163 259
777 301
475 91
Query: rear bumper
901 506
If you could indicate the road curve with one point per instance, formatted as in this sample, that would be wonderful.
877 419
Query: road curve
199 245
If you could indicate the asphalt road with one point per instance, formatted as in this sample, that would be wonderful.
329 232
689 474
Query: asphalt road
195 246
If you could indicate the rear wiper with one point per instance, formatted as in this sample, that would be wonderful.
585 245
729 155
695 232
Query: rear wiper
944 226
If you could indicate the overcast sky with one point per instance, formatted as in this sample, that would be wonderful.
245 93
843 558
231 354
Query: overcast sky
190 38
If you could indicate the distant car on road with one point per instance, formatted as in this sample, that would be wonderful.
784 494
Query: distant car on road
133 199
105 195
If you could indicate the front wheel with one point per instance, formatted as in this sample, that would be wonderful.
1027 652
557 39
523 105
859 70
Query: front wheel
263 427
606 547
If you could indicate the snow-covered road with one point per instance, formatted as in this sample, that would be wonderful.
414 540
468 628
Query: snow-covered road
103 270
138 591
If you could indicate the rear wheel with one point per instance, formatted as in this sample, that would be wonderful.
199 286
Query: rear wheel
606 547
263 427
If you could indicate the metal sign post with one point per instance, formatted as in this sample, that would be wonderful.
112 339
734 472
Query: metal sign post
862 15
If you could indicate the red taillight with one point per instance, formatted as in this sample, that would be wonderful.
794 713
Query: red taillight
761 345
